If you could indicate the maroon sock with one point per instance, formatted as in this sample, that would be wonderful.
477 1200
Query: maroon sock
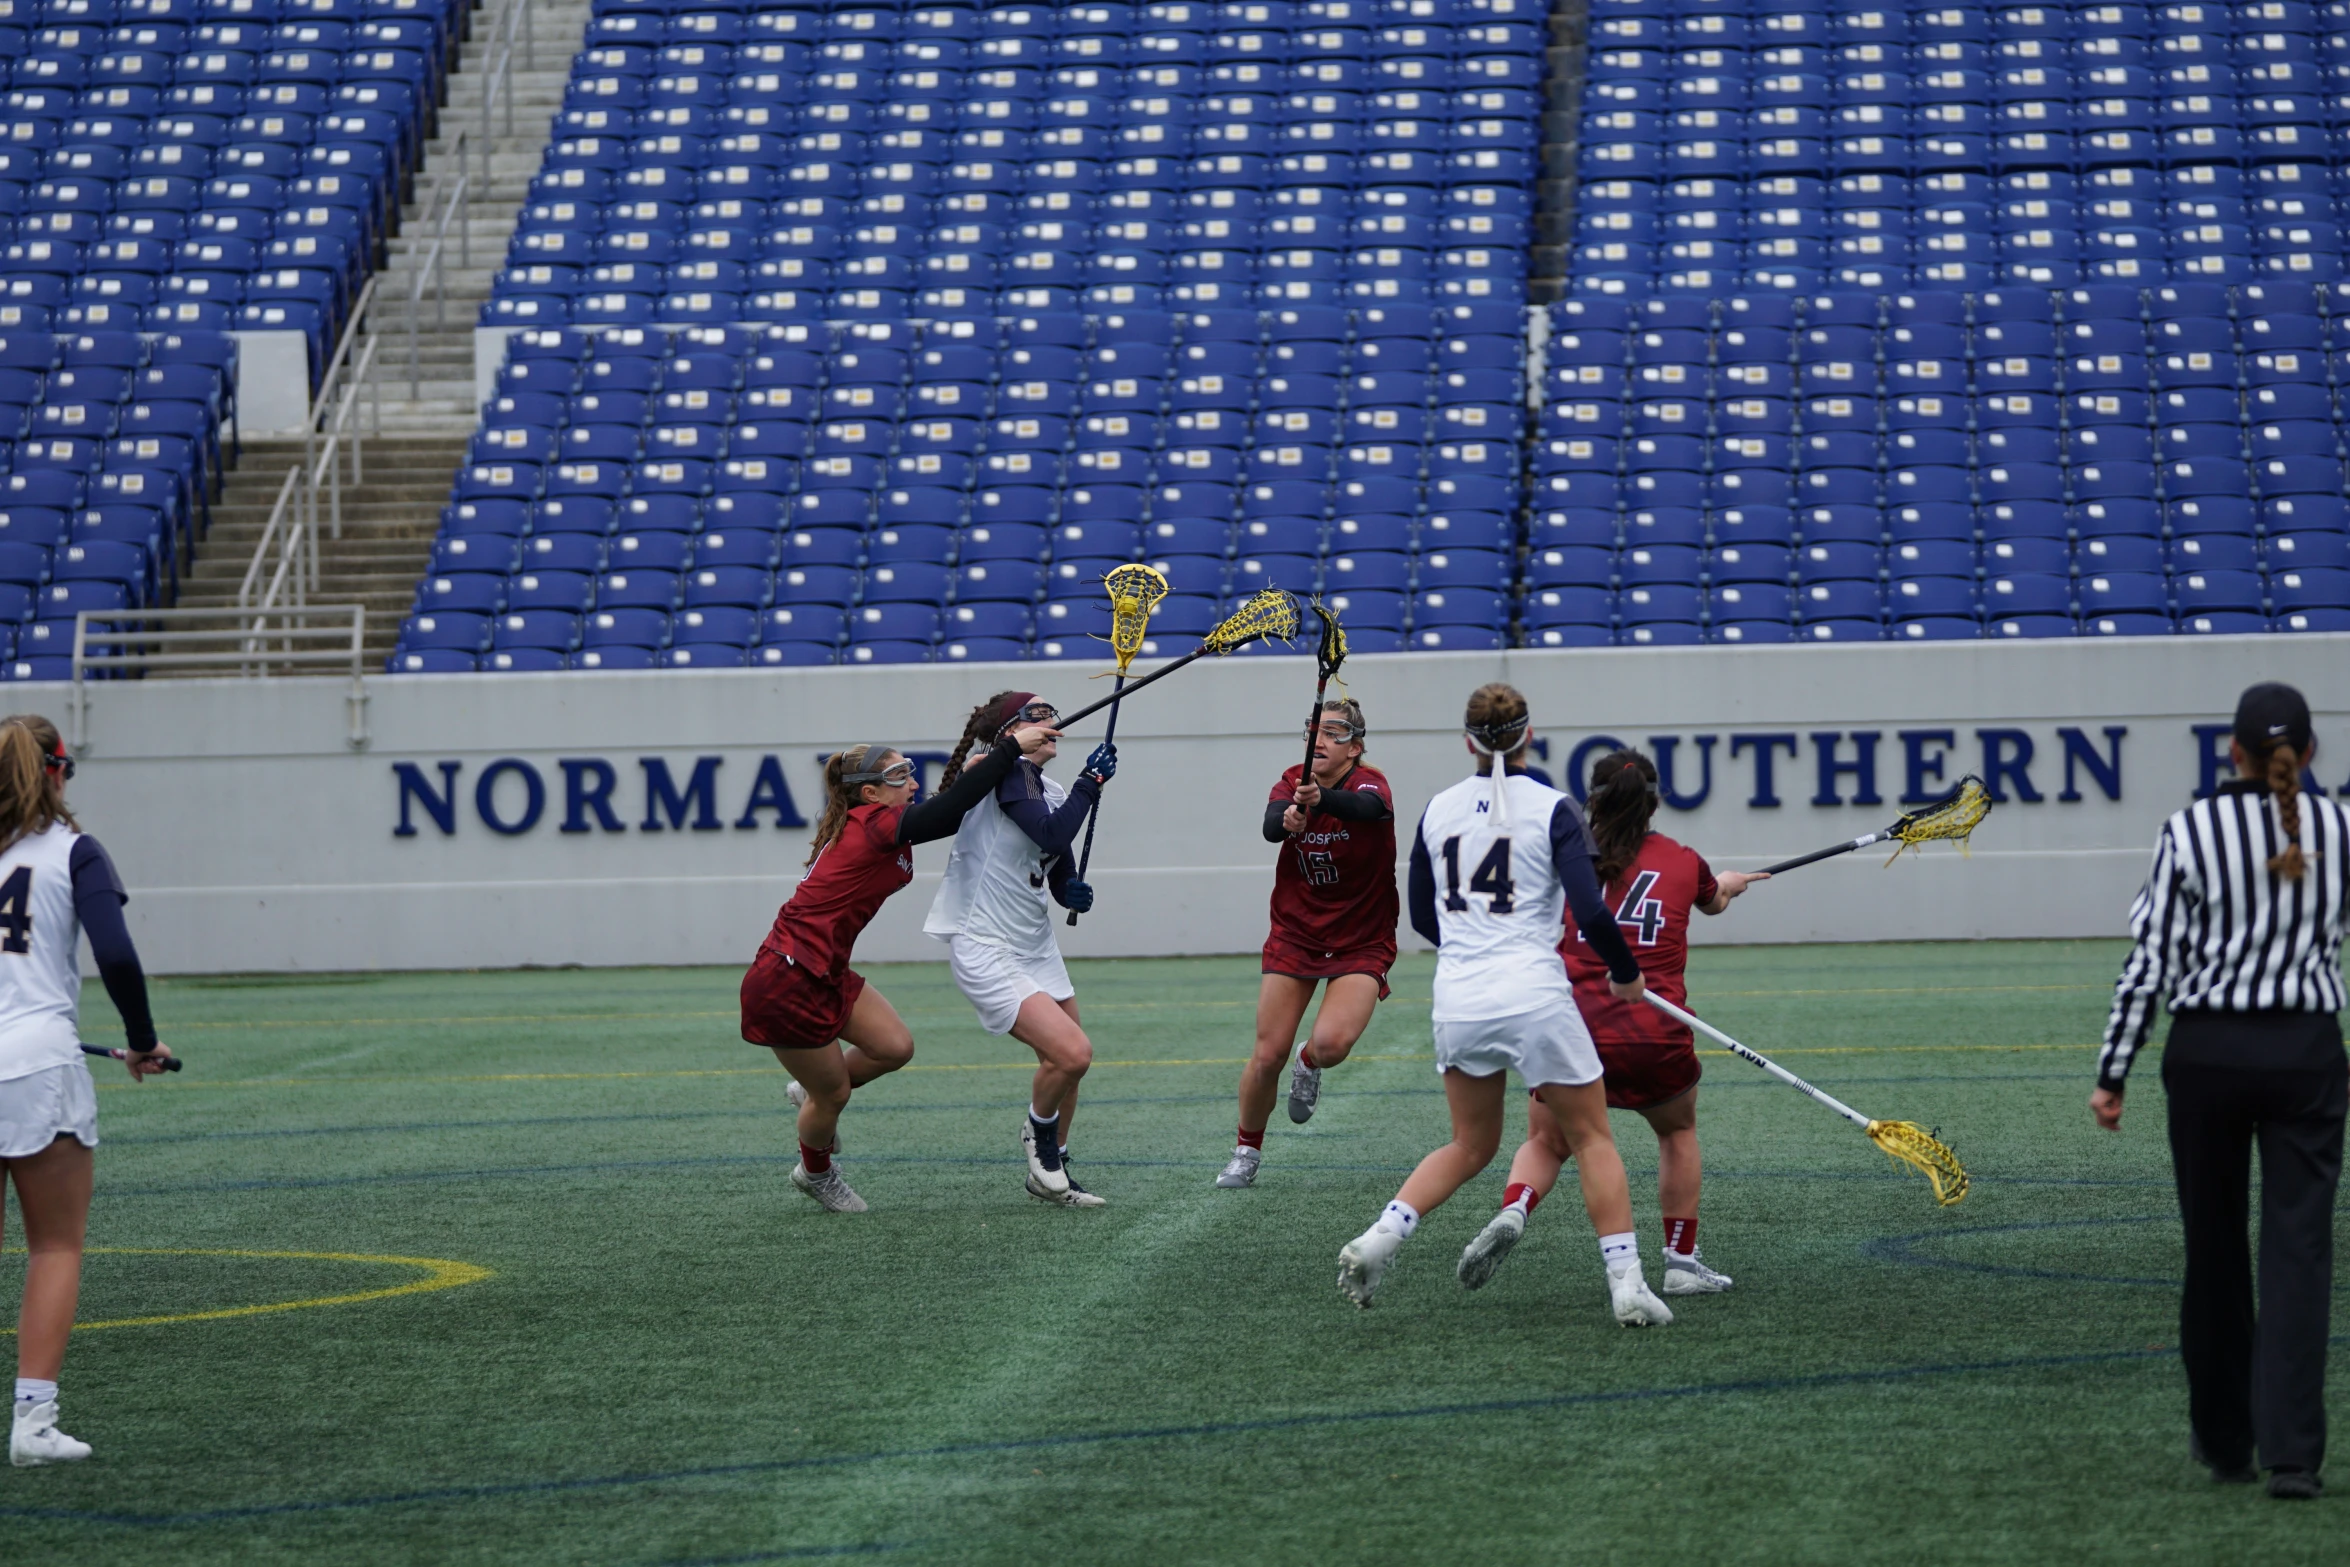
1249 1139
1517 1189
1305 1056
815 1160
1681 1236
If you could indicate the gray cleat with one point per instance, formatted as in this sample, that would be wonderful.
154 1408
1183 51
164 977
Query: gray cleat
828 1189
1482 1256
1305 1089
1242 1171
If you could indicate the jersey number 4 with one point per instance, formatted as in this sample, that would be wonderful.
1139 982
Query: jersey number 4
1642 914
1491 877
16 910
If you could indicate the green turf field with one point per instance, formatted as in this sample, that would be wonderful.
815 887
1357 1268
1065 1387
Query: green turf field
665 1354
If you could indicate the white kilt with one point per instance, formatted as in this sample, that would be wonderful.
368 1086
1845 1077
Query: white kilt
1543 1047
40 1107
995 980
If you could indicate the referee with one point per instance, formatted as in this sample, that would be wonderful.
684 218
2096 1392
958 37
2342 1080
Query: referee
2241 922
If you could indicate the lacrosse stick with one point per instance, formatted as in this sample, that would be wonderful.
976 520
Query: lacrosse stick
170 1063
1903 1140
1268 615
1329 654
1134 592
1954 816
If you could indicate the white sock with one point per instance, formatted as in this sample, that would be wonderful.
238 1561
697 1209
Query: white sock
1044 1120
1620 1251
32 1390
1399 1219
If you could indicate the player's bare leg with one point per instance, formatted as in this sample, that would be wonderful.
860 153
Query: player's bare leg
1063 1053
1534 1170
1347 1004
1679 1173
1581 1112
53 1194
1476 1104
876 1041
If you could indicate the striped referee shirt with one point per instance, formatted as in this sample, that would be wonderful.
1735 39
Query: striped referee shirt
2222 932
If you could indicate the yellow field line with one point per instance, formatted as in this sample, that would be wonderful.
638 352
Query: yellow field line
439 1274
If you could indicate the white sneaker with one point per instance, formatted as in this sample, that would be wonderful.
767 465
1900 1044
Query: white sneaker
1690 1276
1305 1089
797 1093
1363 1261
1051 1185
1483 1255
35 1439
1075 1196
1636 1306
1242 1170
828 1188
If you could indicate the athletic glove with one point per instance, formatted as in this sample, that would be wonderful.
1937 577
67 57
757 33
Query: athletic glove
1076 896
1102 766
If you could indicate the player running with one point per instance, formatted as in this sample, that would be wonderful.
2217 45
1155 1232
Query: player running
55 884
992 913
1652 883
800 994
1496 860
1334 912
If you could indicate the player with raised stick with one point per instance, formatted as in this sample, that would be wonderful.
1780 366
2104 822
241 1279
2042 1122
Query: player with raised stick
1652 883
55 884
1333 925
991 913
800 995
1497 862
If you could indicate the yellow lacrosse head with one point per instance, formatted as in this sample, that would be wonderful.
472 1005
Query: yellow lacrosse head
1332 651
1135 590
1268 614
1954 818
1912 1144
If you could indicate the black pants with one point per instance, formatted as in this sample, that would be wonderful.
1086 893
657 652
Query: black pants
2255 1382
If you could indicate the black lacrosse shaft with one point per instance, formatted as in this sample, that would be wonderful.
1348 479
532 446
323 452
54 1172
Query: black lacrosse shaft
170 1063
1806 859
1313 722
1109 733
1161 673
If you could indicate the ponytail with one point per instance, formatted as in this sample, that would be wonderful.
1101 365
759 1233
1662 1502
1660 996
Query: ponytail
1623 799
29 747
987 720
839 795
2284 781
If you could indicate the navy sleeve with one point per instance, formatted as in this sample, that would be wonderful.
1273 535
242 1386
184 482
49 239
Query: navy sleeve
1570 856
97 902
1422 889
942 814
1022 798
1274 811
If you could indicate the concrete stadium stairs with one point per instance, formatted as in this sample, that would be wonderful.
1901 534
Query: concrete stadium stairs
388 526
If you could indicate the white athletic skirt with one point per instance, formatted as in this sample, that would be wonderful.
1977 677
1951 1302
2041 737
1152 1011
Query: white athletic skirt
1548 1046
40 1107
996 979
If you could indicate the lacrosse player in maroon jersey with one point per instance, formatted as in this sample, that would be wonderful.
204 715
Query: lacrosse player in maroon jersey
1334 916
1652 883
800 998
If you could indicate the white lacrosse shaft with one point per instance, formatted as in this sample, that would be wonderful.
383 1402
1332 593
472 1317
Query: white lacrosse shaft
1755 1056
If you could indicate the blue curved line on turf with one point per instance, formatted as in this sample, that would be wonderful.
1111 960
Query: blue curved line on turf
795 1553
1903 1249
1094 1439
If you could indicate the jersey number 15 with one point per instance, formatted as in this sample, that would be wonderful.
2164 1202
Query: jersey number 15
1491 877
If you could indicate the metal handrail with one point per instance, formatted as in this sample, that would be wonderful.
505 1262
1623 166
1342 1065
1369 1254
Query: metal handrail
431 269
269 532
323 637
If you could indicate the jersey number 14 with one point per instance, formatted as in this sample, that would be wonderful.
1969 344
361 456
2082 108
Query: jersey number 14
1491 877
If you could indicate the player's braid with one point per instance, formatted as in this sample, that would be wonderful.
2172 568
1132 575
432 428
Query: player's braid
981 725
1623 799
2284 781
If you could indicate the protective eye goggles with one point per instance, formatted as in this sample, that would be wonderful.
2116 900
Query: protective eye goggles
898 772
1035 713
1338 731
58 762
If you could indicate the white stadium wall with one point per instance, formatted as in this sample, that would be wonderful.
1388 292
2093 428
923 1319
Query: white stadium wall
466 832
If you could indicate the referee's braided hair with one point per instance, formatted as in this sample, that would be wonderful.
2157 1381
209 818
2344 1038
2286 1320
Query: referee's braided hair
2284 781
2272 728
839 795
1623 798
29 748
987 720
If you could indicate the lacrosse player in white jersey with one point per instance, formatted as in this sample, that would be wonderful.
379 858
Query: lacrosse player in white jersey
992 913
55 884
1497 862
